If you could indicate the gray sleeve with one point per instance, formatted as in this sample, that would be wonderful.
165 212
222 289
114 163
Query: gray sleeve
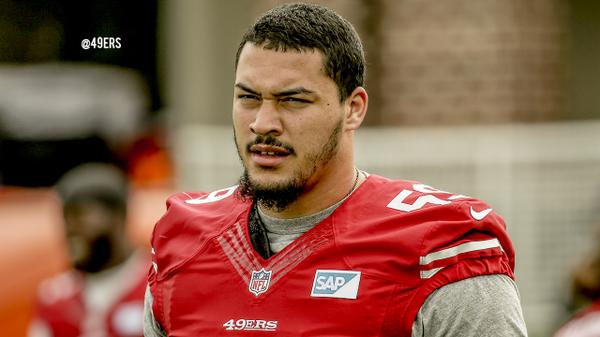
151 327
480 306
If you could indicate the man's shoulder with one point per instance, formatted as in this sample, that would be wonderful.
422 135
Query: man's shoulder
202 211
585 320
418 227
383 198
191 219
59 289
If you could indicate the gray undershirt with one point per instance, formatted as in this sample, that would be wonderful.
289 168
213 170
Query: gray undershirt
281 232
479 306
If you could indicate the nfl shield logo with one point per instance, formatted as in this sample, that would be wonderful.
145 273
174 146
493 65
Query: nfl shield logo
259 283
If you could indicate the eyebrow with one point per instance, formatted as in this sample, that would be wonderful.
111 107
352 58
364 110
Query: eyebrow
288 92
246 88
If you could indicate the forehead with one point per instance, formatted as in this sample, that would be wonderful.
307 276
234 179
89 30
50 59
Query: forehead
258 66
87 210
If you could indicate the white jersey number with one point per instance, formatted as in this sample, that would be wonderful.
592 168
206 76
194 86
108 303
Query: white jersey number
213 196
398 203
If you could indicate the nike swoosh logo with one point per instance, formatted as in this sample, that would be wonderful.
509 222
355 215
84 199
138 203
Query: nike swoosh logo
481 214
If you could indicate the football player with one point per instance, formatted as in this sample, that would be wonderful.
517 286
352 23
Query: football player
309 245
585 299
104 292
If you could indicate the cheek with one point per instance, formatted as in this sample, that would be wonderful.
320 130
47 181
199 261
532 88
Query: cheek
315 131
311 141
240 136
79 248
241 123
237 129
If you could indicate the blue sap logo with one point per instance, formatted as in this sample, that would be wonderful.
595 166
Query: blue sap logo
336 284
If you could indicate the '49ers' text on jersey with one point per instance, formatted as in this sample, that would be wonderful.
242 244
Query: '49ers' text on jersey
363 271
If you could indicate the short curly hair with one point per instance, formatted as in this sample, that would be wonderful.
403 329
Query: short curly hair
304 27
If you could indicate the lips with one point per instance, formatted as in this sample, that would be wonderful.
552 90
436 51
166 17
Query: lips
269 150
268 155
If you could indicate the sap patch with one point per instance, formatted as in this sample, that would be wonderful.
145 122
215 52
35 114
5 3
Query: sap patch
336 284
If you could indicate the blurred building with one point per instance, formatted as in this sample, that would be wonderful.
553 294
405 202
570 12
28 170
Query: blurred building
430 63
61 104
33 31
464 62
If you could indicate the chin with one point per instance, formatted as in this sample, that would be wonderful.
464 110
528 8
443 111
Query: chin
268 178
256 171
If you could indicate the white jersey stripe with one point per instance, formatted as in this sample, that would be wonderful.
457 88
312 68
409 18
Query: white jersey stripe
462 248
240 267
429 273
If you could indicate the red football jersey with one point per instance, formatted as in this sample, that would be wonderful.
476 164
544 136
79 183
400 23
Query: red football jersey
363 271
584 324
61 309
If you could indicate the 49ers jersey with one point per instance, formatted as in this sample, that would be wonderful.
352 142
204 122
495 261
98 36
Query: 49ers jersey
61 309
363 271
583 324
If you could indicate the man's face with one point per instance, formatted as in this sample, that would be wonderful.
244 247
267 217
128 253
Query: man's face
90 229
287 121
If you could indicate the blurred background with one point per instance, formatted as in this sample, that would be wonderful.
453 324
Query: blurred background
496 99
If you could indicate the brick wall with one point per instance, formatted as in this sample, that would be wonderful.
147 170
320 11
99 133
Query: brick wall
458 61
462 61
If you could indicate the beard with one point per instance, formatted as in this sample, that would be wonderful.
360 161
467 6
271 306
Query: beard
278 196
100 253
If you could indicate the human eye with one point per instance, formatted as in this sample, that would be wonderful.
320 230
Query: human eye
295 99
294 102
248 100
248 97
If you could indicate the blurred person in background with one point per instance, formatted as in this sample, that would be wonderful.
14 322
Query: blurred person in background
585 299
308 244
103 294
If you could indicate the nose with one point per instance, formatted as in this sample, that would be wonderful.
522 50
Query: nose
267 119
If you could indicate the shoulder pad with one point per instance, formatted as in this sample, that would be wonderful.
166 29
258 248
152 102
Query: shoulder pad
416 230
58 288
190 221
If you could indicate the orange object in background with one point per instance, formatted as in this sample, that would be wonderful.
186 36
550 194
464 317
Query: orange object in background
30 249
32 245
149 163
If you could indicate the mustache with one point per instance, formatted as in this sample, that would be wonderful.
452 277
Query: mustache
270 140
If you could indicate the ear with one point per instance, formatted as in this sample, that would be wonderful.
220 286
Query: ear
356 108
